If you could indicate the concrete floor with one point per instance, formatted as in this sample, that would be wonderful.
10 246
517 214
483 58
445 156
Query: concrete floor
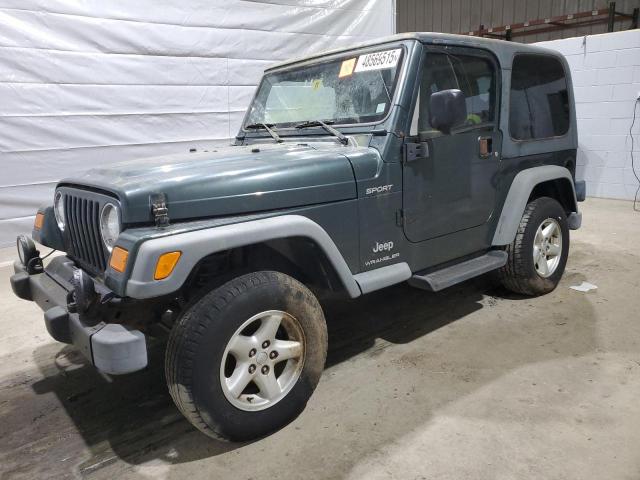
469 383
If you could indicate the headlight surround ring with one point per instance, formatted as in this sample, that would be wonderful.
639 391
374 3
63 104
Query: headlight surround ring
58 210
109 225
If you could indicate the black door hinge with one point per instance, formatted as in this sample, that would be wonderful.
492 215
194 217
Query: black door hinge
400 218
415 151
159 209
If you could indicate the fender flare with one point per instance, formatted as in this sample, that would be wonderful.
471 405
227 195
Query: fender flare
197 244
518 196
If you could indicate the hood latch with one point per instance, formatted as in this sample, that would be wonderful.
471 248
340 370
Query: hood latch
159 209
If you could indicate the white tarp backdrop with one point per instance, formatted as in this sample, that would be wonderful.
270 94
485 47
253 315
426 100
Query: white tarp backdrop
92 82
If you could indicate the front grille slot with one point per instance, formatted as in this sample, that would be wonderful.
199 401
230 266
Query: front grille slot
82 217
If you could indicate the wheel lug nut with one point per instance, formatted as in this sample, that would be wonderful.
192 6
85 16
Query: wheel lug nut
273 354
252 368
252 352
264 369
266 343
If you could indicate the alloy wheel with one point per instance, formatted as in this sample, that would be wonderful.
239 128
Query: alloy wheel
263 360
547 247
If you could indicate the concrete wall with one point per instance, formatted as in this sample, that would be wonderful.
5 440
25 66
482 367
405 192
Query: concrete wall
606 79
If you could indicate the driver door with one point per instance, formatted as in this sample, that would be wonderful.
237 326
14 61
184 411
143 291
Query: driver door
453 187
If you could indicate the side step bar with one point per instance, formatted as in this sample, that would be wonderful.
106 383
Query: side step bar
448 276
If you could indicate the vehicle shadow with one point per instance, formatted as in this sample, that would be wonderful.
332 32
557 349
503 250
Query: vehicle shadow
355 325
132 418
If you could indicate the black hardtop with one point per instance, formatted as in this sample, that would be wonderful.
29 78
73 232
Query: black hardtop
502 49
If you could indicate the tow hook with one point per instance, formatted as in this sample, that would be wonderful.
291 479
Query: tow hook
83 296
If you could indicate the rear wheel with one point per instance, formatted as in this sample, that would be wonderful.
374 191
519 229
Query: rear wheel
243 360
538 254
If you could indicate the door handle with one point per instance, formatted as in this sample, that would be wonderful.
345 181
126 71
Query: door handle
485 146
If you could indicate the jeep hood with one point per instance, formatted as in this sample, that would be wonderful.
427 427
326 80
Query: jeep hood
226 181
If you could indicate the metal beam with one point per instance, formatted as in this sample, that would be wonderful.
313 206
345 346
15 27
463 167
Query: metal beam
607 15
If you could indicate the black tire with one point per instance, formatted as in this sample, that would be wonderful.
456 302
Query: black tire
519 274
198 341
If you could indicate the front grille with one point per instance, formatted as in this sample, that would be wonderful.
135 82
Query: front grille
83 239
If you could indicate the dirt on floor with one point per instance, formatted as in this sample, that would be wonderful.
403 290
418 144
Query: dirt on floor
472 382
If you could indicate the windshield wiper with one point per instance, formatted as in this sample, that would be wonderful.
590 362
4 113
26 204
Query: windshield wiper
319 123
267 127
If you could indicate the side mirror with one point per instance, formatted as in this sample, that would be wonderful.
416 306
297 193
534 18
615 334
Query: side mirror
447 108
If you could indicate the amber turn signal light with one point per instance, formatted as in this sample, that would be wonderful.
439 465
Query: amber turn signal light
118 260
166 263
39 221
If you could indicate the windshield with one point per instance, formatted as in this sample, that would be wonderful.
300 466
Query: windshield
351 89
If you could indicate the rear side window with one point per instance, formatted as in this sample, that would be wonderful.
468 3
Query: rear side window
539 101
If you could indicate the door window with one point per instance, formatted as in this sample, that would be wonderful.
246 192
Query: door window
539 101
475 76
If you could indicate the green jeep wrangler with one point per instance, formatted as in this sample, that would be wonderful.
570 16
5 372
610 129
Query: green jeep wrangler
421 158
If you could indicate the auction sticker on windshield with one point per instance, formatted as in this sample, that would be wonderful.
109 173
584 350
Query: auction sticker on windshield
346 68
378 60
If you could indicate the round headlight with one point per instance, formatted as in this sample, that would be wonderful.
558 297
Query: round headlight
109 225
58 210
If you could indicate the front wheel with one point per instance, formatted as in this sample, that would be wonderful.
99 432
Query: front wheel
538 254
243 360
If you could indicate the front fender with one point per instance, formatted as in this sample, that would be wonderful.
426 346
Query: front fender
198 244
518 196
49 234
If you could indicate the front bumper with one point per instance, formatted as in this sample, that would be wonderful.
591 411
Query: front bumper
111 347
